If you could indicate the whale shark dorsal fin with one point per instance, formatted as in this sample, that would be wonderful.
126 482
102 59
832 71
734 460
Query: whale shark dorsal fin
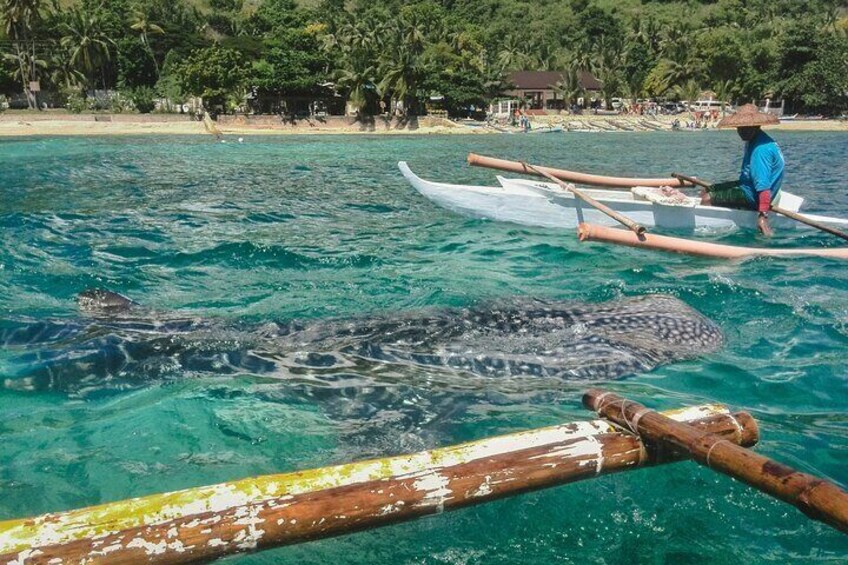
97 301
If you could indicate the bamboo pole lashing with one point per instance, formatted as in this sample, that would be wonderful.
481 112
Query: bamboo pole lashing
817 498
209 522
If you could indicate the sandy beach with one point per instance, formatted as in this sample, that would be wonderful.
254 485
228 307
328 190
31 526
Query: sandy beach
18 124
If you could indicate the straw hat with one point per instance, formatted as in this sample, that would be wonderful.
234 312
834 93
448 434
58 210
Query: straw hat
748 116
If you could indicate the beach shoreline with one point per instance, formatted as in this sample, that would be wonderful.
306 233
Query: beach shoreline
51 123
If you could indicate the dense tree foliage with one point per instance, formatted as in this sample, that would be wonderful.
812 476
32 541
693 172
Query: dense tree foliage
456 53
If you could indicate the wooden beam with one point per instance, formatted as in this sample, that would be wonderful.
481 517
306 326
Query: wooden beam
817 498
208 522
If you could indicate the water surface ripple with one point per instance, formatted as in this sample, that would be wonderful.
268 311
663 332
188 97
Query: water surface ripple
326 227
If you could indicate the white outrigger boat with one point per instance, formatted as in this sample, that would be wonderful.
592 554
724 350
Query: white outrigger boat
535 203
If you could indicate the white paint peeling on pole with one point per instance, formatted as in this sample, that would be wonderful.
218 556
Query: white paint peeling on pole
212 521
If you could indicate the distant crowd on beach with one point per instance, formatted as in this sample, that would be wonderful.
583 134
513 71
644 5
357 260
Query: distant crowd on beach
702 120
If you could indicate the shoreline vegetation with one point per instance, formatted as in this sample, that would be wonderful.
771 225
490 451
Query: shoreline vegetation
420 57
25 124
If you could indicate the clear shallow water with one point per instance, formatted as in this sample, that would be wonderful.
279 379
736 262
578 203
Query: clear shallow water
316 227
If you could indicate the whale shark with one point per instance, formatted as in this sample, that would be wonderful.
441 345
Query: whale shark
419 365
119 340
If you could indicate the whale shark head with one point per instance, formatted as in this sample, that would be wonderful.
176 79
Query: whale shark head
99 302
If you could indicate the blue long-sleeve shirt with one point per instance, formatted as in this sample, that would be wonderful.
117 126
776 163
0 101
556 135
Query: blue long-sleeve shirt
762 168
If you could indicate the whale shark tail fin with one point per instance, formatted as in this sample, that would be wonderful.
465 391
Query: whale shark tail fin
96 301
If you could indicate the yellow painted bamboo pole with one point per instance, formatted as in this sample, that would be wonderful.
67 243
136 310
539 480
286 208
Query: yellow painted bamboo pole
207 522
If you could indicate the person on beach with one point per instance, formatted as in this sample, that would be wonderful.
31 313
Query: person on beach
762 167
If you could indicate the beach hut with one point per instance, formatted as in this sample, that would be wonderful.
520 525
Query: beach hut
538 88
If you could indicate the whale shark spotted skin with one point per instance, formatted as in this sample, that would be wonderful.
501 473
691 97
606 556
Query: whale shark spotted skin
120 343
388 383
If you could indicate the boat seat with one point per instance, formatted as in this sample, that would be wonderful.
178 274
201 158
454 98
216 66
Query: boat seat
788 201
665 195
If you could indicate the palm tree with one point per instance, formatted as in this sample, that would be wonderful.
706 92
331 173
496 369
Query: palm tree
584 55
646 30
568 88
87 43
632 89
675 74
359 84
26 63
356 45
688 91
62 71
545 56
140 24
401 78
723 91
402 66
676 42
18 17
605 66
512 56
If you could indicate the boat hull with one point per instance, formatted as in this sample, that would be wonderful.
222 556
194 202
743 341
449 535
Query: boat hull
517 205
533 203
646 213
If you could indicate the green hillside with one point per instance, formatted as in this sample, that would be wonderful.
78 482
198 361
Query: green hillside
461 49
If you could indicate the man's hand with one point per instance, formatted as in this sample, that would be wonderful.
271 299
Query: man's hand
763 225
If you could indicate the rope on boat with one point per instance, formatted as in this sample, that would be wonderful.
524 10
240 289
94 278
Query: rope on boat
817 498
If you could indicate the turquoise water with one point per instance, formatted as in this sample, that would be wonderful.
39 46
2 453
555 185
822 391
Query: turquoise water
317 227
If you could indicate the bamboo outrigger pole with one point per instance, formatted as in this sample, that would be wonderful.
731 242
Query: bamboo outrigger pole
205 523
593 232
573 176
788 213
635 227
817 498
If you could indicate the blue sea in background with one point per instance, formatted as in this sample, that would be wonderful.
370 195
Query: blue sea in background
313 227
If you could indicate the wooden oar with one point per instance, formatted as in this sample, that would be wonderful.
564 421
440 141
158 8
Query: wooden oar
812 223
817 498
636 228
692 180
777 209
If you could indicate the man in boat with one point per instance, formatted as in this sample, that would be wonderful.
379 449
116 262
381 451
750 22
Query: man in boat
762 167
